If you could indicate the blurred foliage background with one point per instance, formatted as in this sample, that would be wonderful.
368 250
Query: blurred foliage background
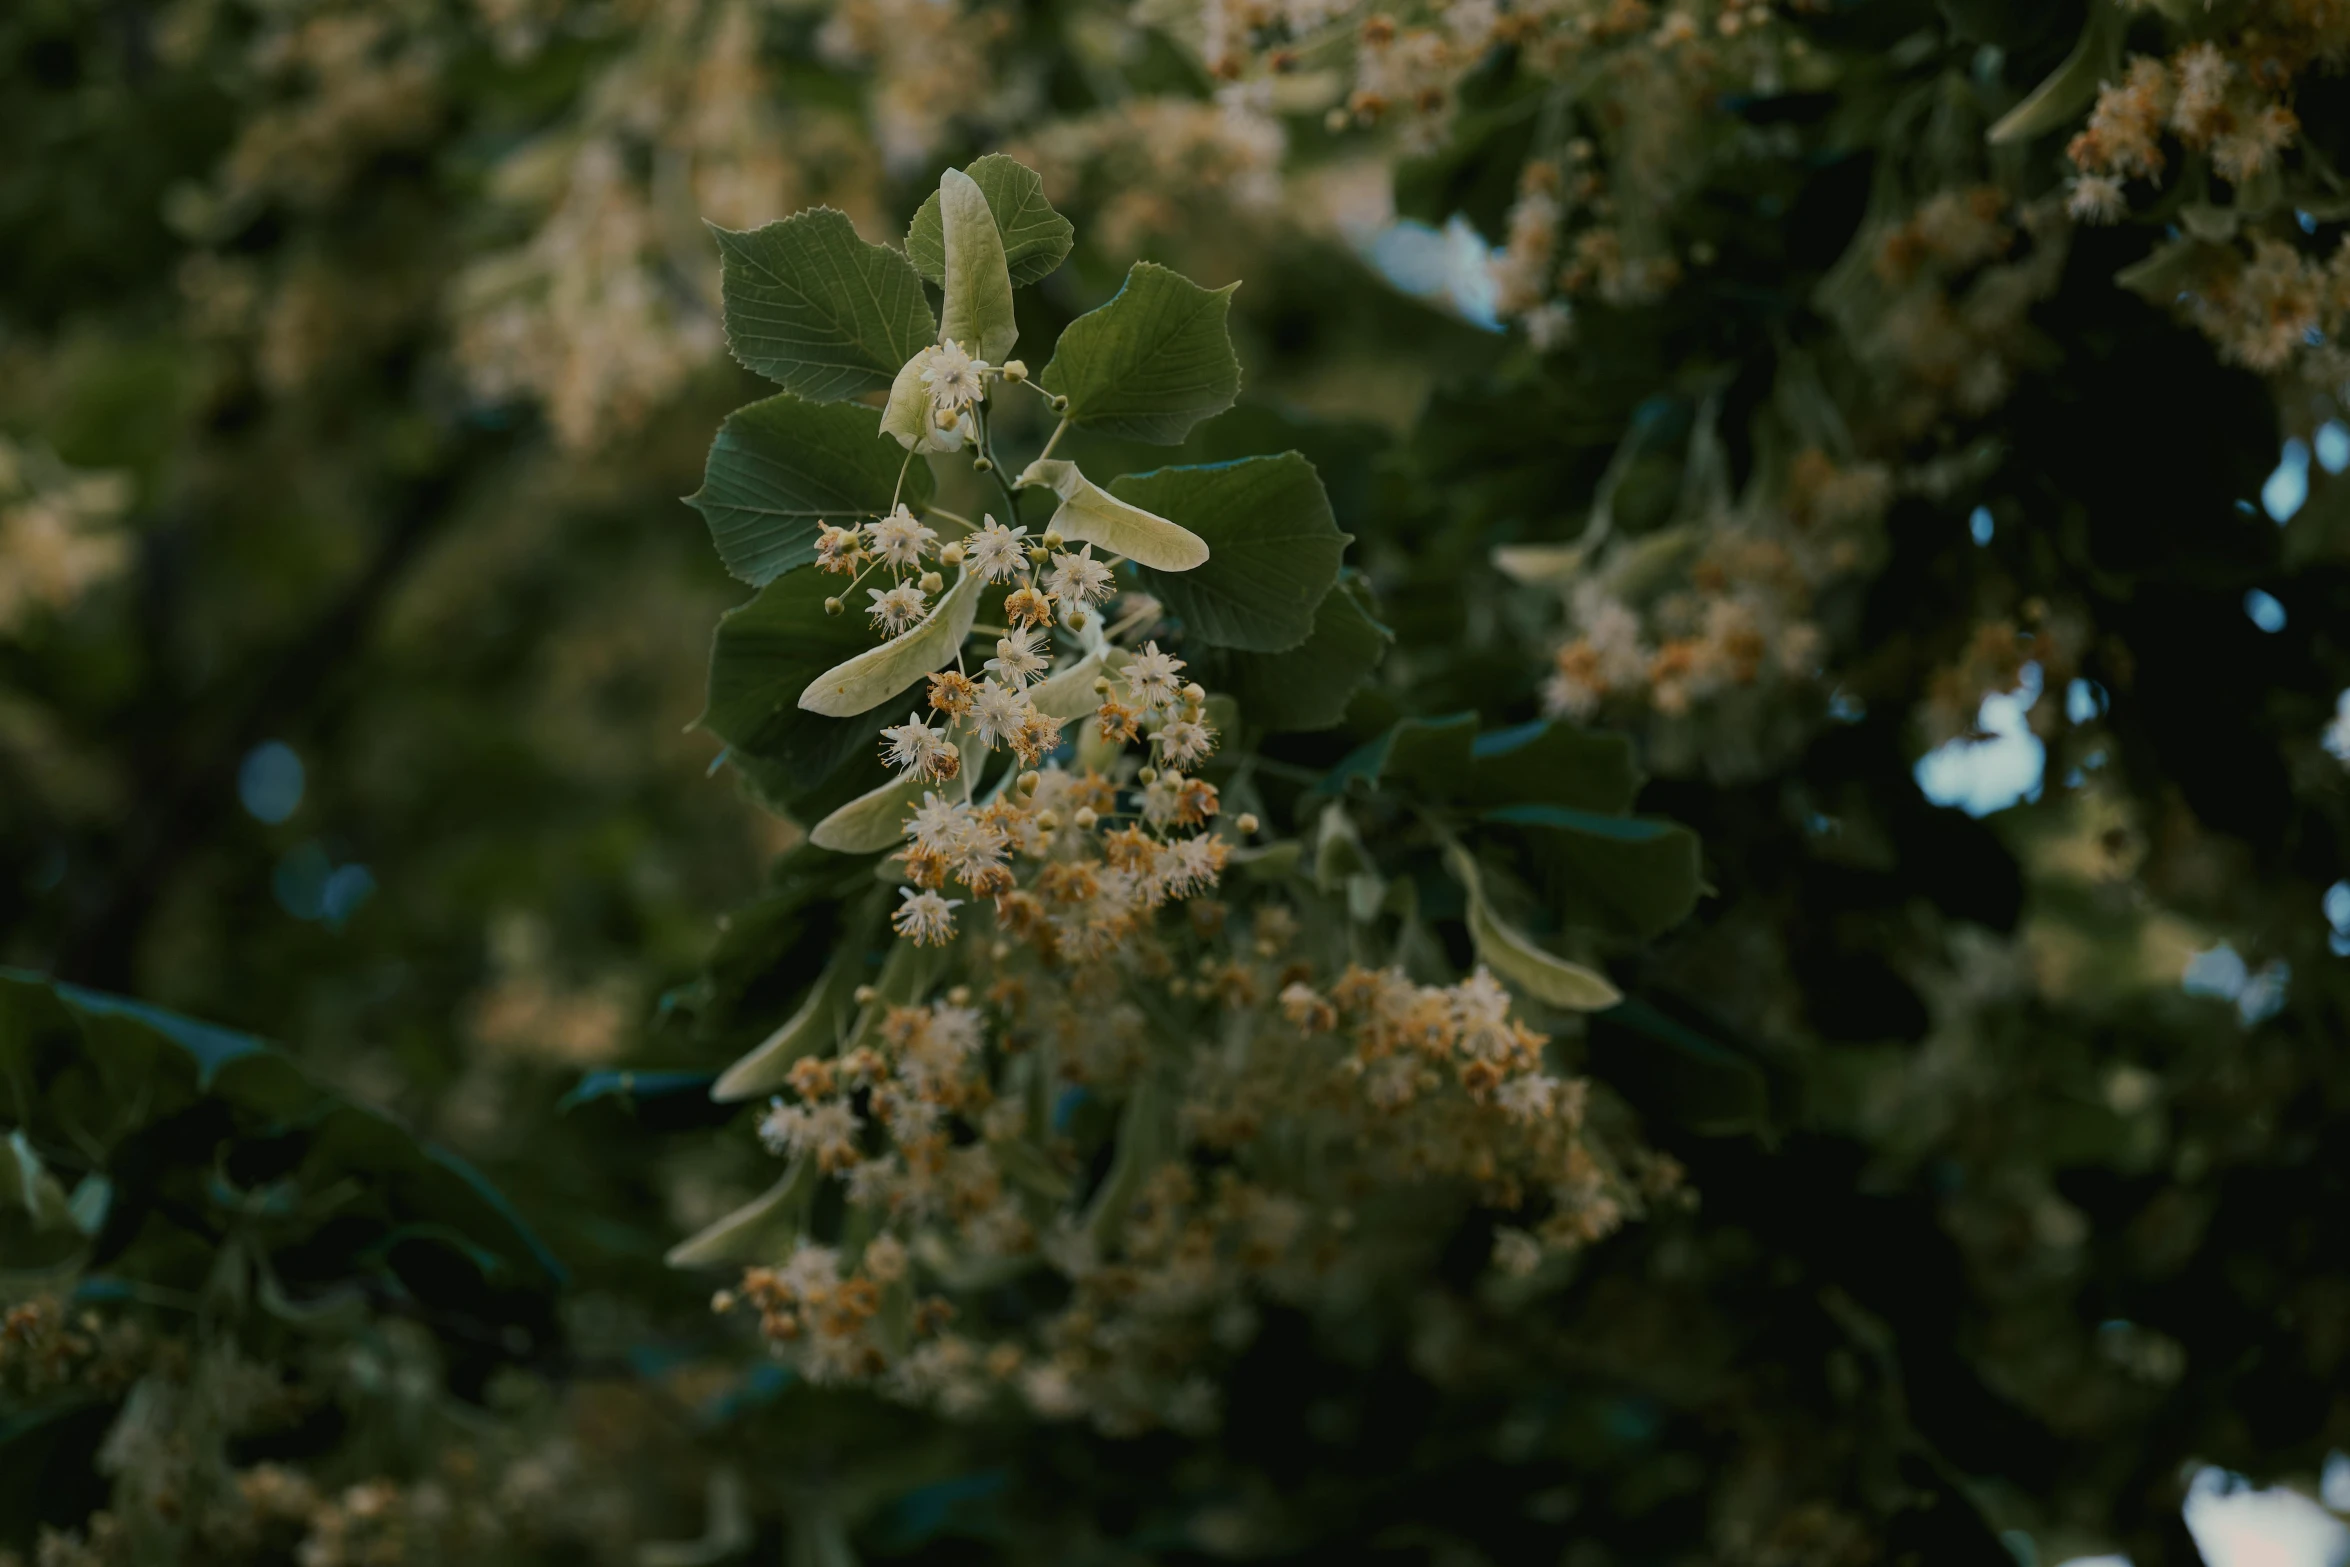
1781 386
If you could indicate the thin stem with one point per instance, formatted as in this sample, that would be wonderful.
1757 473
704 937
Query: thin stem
995 468
900 488
1058 431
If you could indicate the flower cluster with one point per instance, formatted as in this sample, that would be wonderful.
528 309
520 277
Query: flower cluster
60 532
2222 104
1259 1119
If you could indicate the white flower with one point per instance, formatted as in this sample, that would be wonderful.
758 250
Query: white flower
995 552
826 1132
1020 657
935 822
813 1271
896 609
1078 578
1162 799
1184 741
1526 1100
1516 1252
900 540
956 380
2097 198
925 918
996 712
914 746
1150 675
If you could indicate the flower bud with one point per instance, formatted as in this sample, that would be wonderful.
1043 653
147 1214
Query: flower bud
1048 820
952 555
833 606
959 996
1029 780
1247 822
1195 693
1052 541
982 465
1015 370
1086 818
1060 404
865 995
1101 685
931 582
1147 775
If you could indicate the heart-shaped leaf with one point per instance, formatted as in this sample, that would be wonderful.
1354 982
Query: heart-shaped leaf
782 468
1150 364
816 309
1273 548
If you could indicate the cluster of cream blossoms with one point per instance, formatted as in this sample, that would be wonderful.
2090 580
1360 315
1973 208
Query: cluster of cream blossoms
1270 1132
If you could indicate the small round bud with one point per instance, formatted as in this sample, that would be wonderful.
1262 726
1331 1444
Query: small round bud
1075 620
1148 775
1053 541
982 465
1336 121
722 1302
1178 987
952 555
944 418
1060 404
999 949
1247 823
959 996
1101 685
1195 693
1085 818
1048 820
833 606
865 994
1036 554
931 582
1015 370
1029 780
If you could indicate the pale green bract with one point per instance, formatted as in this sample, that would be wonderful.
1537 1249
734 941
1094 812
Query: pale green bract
1090 514
1036 239
1512 954
874 676
978 284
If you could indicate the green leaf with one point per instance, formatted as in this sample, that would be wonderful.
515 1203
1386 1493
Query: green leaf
816 309
1273 548
1513 956
860 684
1090 514
1309 686
1036 239
1151 363
1627 875
764 655
782 467
1554 763
150 1101
1428 756
978 284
